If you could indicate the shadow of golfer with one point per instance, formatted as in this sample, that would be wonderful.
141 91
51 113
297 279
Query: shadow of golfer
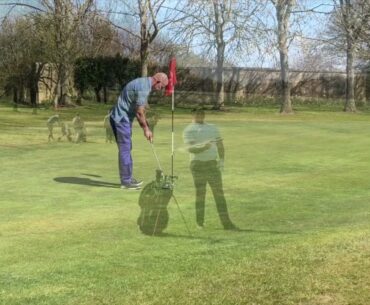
86 181
91 175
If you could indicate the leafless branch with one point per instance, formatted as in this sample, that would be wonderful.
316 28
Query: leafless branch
22 4
314 10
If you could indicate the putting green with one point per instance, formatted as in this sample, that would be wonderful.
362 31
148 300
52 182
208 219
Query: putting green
298 187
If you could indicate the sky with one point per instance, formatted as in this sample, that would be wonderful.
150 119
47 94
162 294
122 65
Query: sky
310 27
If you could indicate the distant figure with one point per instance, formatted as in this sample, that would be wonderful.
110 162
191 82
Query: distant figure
54 119
207 153
108 129
79 127
66 132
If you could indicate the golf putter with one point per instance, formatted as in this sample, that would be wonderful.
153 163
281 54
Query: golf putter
156 157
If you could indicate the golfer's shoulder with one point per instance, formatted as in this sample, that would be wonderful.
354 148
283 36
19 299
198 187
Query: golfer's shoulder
189 129
212 130
191 126
138 84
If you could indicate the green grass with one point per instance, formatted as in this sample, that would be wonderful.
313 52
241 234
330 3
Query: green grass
298 186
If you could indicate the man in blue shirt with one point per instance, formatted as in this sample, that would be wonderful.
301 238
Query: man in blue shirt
131 103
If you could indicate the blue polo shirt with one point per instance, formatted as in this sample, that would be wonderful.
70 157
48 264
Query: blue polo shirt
134 94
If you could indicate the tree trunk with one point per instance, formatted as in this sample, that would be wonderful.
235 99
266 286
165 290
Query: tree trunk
79 98
21 93
105 94
97 94
57 93
33 87
144 63
220 101
283 13
350 105
33 97
15 98
219 11
64 83
144 34
58 88
286 105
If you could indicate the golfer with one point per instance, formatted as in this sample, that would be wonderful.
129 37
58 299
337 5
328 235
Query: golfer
207 154
66 132
79 127
54 119
131 103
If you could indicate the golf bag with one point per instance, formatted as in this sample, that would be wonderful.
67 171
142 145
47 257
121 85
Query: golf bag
153 201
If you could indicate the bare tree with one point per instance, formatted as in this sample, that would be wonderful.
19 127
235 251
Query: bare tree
315 55
221 29
66 21
21 58
292 16
283 14
12 59
143 20
349 29
99 38
61 31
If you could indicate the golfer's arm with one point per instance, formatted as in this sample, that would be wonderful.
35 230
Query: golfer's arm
196 149
220 149
140 115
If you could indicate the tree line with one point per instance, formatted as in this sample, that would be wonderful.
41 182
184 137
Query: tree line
101 73
80 39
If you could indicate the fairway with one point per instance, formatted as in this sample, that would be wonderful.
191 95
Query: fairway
298 186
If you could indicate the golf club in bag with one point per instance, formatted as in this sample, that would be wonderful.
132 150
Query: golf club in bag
156 195
154 200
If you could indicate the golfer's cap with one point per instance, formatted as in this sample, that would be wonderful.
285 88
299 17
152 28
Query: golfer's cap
161 77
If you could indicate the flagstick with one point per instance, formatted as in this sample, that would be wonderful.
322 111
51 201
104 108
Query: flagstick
173 139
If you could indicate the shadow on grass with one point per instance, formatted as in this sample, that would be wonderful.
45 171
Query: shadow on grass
91 175
86 181
218 240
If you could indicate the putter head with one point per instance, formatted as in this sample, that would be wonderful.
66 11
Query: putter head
173 178
163 181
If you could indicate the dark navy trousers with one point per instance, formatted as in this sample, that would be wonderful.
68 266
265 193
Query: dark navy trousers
207 172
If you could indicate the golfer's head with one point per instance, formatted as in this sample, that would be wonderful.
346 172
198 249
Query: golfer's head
160 81
198 115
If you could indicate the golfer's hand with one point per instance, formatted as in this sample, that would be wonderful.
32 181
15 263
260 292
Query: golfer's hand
220 165
148 135
203 147
207 146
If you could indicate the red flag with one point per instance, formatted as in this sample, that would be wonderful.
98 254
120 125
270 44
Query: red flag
172 80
